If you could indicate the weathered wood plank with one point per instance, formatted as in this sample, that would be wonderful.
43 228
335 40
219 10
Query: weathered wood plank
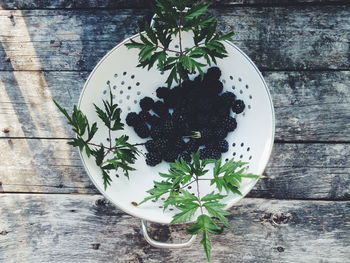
62 4
311 37
66 228
302 171
309 105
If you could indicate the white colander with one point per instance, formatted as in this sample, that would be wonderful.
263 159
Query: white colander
251 142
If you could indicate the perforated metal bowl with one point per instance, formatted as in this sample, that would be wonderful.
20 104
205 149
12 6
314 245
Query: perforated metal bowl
251 142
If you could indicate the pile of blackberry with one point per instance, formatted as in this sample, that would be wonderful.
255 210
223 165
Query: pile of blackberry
195 115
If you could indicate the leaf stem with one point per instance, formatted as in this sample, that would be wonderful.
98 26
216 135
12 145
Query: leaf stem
114 147
198 195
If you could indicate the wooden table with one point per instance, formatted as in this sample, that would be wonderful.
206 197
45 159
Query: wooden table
51 212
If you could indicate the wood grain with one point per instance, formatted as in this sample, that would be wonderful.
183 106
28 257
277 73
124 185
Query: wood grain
301 171
276 38
309 105
66 228
63 4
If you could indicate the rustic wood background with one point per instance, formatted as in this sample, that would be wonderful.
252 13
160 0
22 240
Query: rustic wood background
51 212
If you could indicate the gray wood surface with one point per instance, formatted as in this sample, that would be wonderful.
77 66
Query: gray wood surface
76 228
301 171
73 4
309 105
276 38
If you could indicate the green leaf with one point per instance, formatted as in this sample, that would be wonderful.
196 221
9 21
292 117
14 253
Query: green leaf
103 116
65 113
215 209
212 196
227 36
205 241
187 213
134 44
196 10
106 179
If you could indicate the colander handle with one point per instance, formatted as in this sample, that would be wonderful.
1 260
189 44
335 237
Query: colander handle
158 244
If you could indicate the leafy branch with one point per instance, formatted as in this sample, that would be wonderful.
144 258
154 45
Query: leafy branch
123 153
209 209
172 18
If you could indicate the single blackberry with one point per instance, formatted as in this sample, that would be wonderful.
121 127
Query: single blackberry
157 132
205 134
186 156
219 134
214 73
153 158
228 98
214 153
169 128
142 130
169 156
161 144
219 87
154 120
223 111
150 146
132 119
229 124
213 121
160 109
238 106
204 153
170 100
192 146
222 146
145 116
162 92
146 103
179 145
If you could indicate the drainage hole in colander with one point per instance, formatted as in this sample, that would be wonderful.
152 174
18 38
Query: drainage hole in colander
124 73
117 175
114 87
129 109
132 76
223 81
105 91
250 96
243 114
231 78
241 91
233 144
176 46
249 107
241 156
233 87
123 82
250 157
171 209
120 101
162 73
137 83
190 187
246 86
121 92
162 198
160 206
153 200
242 144
239 79
108 82
115 75
226 160
135 101
248 149
138 93
129 88
107 139
234 154
128 97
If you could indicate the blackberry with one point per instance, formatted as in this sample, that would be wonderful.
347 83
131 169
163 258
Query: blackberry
202 119
219 134
205 134
157 132
222 146
179 145
142 130
214 121
169 156
223 111
170 100
159 108
132 119
228 98
151 146
162 92
204 104
146 103
186 156
214 73
229 124
169 128
153 158
192 145
145 116
204 153
214 153
154 120
161 144
238 106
